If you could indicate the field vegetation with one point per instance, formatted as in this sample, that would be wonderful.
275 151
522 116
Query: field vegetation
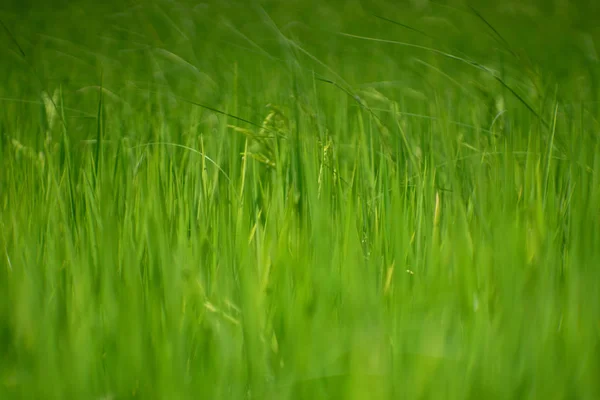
299 200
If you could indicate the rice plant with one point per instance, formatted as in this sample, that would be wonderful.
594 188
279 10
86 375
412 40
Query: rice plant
299 200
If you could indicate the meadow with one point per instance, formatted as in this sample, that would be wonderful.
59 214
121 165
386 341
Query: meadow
299 200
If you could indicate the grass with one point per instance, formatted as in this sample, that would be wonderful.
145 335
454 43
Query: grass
299 201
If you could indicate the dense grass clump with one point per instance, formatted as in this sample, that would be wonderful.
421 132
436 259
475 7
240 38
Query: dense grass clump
298 200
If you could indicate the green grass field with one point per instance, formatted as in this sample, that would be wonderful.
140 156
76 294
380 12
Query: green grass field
297 200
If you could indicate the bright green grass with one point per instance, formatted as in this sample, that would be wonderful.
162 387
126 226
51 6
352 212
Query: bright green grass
230 201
